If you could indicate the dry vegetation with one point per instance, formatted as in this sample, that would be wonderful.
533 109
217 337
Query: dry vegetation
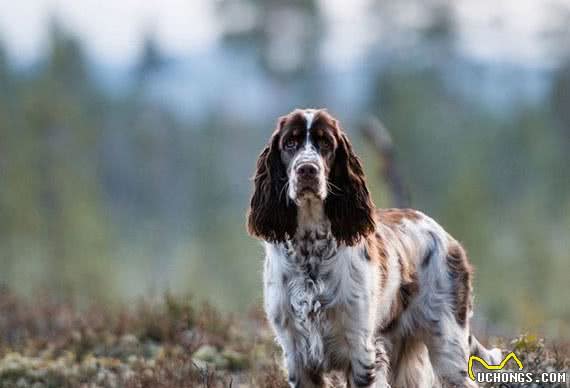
165 344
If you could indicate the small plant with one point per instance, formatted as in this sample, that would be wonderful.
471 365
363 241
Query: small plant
168 343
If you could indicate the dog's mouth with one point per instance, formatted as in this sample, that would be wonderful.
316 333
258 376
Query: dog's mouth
301 189
311 191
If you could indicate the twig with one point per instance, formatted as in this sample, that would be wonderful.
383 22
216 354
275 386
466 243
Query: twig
376 133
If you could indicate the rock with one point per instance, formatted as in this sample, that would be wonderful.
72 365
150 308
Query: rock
205 353
210 355
132 359
190 338
152 350
148 373
129 339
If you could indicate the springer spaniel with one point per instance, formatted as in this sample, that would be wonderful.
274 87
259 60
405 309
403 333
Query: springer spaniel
383 295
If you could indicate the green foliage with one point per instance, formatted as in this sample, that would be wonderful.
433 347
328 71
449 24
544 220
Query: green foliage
51 208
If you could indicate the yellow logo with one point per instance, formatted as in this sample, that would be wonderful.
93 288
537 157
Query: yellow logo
492 367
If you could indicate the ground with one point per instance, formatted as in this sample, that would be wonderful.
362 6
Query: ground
163 343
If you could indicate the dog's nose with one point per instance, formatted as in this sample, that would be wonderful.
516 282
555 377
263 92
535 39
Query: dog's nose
307 171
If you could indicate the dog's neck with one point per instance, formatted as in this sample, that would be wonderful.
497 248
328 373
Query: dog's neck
313 240
311 215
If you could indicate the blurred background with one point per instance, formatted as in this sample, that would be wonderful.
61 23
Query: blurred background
129 131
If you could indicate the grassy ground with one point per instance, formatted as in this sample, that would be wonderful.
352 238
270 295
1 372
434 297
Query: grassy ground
160 344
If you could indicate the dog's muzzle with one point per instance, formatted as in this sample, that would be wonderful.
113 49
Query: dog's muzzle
308 178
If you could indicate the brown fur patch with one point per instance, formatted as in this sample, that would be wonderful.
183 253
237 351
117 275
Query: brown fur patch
391 231
461 277
395 216
376 250
409 288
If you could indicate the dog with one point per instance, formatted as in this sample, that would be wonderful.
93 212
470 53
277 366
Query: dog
383 296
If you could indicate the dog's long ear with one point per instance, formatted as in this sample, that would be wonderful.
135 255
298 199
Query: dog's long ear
349 207
272 216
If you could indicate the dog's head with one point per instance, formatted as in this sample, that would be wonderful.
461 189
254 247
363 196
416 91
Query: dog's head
309 157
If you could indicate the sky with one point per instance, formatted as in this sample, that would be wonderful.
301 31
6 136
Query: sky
112 29
490 30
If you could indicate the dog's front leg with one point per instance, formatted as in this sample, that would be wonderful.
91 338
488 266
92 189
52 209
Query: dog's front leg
286 341
369 362
281 319
358 336
278 317
368 357
299 375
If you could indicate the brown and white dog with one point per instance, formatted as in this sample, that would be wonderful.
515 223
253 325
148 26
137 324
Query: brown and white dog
383 295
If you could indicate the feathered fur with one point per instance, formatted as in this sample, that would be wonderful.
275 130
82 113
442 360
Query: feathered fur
271 217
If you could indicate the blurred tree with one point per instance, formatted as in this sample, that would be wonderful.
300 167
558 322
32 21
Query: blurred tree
283 36
5 103
425 28
66 63
150 59
561 96
52 205
4 69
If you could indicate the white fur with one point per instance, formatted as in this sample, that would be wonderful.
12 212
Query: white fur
309 117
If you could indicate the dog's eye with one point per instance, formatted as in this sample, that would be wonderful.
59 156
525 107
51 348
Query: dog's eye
325 144
291 144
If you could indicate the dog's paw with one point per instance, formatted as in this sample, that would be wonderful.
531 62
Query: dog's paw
495 356
364 375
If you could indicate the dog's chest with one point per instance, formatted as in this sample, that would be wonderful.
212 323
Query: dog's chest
319 280
310 277
310 287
